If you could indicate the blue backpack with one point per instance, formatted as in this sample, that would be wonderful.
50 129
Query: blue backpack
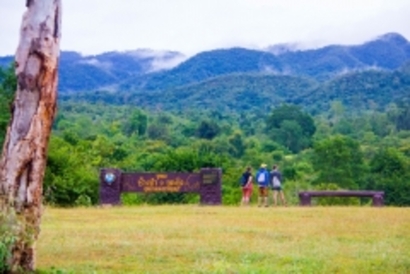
262 177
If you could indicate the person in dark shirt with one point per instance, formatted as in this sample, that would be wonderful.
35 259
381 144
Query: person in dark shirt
276 184
247 186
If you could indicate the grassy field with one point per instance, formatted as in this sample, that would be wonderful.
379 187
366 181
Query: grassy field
196 239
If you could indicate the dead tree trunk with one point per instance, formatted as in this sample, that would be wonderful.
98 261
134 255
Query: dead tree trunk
23 158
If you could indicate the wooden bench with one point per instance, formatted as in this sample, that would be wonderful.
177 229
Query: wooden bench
305 197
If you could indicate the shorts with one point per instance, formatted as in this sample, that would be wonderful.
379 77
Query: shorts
277 188
263 191
247 192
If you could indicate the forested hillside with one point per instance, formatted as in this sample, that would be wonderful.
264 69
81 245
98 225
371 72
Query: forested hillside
147 70
348 131
256 92
388 52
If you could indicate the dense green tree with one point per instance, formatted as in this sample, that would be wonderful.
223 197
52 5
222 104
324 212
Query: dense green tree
236 141
389 172
380 125
158 131
188 129
291 127
292 137
403 117
69 175
247 123
338 159
207 130
344 126
136 123
71 137
164 118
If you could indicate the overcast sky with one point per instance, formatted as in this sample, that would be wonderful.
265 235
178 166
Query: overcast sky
190 26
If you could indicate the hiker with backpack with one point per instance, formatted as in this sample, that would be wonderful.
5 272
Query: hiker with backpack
246 184
262 178
276 184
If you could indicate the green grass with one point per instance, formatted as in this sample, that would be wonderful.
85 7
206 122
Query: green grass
199 239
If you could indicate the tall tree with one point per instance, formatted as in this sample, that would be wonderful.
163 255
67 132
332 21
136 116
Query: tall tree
23 158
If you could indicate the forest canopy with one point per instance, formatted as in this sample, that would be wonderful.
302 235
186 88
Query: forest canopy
334 136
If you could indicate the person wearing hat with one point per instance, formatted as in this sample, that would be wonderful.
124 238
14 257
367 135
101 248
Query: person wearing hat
262 178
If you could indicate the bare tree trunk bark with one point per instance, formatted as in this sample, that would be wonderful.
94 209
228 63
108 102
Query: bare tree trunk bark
23 159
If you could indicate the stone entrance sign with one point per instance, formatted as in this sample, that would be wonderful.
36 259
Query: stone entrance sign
207 183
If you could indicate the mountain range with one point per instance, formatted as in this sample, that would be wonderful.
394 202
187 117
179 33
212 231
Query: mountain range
148 70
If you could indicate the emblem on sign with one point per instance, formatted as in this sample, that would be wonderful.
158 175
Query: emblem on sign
109 178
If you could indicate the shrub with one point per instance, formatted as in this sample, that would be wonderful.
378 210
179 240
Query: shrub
8 230
83 200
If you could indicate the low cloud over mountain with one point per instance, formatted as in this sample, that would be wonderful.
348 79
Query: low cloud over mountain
156 70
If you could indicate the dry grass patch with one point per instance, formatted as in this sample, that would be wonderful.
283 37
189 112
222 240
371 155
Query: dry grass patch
195 239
